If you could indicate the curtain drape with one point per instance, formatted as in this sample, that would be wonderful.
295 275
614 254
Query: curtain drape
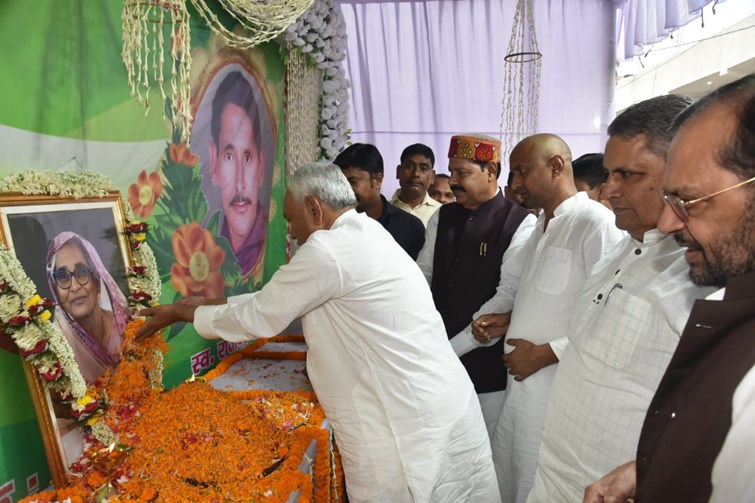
423 70
643 22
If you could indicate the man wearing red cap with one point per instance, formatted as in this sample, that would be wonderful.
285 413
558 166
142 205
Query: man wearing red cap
465 243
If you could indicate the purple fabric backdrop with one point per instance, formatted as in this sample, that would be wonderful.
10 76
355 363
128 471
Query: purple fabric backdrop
424 70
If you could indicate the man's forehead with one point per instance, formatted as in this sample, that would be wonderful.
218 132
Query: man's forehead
693 155
622 152
456 163
416 159
354 171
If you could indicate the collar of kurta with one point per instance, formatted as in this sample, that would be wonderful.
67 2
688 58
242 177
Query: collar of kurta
566 205
650 238
426 201
344 217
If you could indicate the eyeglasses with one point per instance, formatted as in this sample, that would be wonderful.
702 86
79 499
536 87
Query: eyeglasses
63 278
681 206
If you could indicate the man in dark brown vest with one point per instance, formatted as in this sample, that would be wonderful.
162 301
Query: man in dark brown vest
464 244
697 440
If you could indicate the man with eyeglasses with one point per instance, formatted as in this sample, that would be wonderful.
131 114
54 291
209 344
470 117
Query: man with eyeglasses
627 321
697 440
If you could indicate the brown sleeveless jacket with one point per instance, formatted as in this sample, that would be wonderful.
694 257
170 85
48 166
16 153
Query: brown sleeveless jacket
690 415
466 269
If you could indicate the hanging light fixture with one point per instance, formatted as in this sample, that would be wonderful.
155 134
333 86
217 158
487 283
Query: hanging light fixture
521 82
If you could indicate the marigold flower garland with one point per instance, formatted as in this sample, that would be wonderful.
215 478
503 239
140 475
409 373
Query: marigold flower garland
196 443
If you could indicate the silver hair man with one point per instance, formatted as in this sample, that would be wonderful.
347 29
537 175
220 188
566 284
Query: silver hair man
323 180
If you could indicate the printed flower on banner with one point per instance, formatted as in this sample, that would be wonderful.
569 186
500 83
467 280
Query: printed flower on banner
197 270
143 194
180 153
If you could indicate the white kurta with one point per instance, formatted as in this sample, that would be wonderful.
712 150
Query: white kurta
626 326
734 472
558 260
405 414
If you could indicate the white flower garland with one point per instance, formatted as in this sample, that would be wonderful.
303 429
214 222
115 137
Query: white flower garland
321 33
75 184
37 329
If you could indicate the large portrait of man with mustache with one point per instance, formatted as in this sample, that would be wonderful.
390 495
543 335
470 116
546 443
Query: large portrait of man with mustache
234 138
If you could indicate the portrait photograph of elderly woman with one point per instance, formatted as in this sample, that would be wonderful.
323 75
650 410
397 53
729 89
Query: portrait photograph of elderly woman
76 256
90 308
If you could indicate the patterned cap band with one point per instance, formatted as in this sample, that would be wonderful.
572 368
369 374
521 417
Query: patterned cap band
475 148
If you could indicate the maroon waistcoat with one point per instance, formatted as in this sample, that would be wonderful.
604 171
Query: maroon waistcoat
690 415
466 268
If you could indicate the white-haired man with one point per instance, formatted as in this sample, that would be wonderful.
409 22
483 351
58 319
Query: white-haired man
405 414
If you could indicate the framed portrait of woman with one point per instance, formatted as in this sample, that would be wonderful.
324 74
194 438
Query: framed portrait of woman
77 255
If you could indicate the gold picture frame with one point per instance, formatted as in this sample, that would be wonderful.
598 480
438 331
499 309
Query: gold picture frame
31 228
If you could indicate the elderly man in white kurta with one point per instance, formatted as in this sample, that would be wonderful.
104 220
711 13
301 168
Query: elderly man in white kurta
405 414
627 321
571 236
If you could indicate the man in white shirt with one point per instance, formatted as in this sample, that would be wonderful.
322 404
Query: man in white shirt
572 234
696 442
627 321
404 412
415 174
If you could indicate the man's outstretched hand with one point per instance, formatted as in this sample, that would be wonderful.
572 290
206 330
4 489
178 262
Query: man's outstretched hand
159 317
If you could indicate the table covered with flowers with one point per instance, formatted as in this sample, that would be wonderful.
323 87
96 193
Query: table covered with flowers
249 430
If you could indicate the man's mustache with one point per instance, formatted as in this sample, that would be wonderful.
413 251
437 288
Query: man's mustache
690 244
459 188
239 199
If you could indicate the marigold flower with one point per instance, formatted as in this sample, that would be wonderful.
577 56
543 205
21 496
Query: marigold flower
44 316
198 260
180 153
36 299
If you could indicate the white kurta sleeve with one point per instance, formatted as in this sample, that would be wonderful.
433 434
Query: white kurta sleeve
427 253
733 477
310 279
512 264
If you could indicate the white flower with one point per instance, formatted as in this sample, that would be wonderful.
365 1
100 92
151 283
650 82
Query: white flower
10 305
29 336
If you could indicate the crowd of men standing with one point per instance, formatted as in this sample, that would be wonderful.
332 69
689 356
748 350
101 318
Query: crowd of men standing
607 332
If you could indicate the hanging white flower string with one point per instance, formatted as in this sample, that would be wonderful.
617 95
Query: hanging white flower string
320 33
144 47
304 86
521 83
144 50
261 20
